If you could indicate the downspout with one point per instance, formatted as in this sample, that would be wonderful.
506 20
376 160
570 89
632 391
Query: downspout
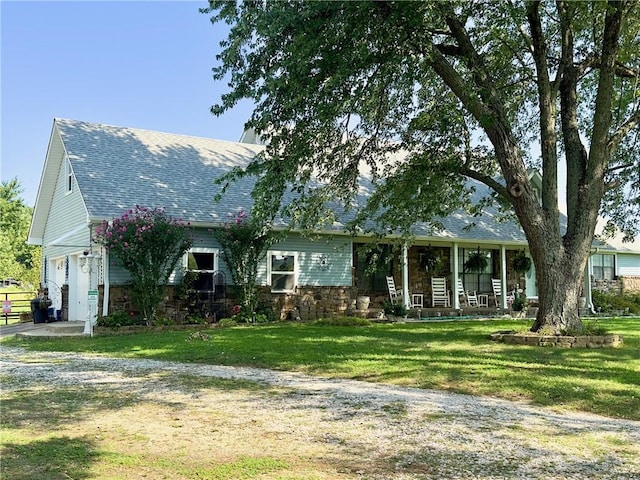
405 276
456 273
105 278
503 276
587 287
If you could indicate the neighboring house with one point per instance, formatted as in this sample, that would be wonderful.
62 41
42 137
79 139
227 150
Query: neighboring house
614 266
94 173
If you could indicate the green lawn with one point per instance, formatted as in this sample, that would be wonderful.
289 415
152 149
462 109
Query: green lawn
454 356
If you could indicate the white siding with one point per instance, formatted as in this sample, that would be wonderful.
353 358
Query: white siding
628 264
336 272
338 252
66 231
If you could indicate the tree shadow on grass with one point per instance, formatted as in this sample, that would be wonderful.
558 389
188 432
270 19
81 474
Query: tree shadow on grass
46 409
50 459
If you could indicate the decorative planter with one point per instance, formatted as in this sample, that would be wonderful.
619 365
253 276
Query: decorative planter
522 263
362 303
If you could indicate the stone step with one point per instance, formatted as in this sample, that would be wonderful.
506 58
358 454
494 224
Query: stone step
55 329
65 327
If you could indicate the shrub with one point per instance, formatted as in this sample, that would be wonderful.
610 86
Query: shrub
398 309
195 320
243 317
164 321
605 302
244 242
263 314
593 327
227 322
120 319
519 302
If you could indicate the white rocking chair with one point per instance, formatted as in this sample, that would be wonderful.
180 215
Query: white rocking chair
396 296
496 284
470 296
439 292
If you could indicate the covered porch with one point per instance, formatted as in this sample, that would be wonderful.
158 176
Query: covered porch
413 267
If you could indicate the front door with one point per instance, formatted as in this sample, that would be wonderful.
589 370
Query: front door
78 291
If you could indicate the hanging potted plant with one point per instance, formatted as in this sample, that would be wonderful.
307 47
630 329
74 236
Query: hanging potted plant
521 263
430 260
476 262
376 260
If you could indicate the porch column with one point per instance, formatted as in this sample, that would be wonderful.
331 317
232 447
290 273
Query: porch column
503 276
454 289
90 264
405 275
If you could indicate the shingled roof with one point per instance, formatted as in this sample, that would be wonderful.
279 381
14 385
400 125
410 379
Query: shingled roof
117 168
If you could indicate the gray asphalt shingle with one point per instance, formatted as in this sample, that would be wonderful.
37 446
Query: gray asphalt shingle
117 168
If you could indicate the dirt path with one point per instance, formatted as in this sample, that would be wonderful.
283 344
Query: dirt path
315 428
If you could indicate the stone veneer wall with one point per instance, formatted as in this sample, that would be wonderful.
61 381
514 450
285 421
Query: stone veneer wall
307 303
622 285
586 341
610 287
311 303
630 284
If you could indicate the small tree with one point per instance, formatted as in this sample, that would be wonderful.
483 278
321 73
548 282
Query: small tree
244 242
149 244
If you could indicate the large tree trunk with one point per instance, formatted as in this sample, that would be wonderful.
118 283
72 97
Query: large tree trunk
560 282
560 256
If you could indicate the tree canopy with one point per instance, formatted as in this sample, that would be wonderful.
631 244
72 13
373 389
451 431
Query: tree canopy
17 259
426 95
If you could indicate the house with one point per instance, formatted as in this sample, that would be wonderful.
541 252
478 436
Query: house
95 172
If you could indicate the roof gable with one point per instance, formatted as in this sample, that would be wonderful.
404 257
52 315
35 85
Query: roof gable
117 168
52 164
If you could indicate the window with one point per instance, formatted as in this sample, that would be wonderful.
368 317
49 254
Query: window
282 268
472 279
603 266
68 175
201 265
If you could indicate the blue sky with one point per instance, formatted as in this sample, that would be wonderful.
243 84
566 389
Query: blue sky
134 64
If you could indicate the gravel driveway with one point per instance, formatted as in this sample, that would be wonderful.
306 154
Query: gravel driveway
363 430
